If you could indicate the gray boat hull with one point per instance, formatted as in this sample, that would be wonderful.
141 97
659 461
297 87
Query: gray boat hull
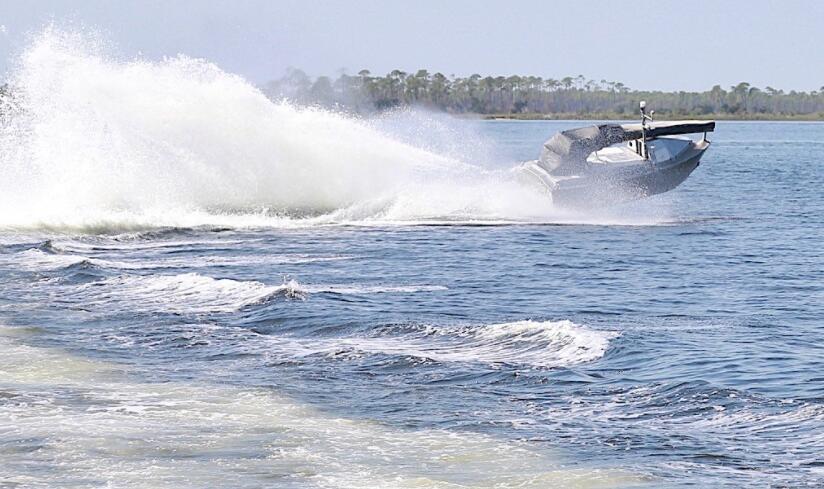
624 182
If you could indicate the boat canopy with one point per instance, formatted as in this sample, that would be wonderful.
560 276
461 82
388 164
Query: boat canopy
568 150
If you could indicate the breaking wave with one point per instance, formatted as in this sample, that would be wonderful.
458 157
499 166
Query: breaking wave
184 293
35 259
193 293
545 344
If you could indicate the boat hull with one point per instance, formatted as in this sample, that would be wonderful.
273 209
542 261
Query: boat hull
627 183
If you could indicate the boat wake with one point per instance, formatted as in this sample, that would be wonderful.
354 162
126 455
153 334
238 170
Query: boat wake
36 259
193 293
188 293
93 420
104 145
542 344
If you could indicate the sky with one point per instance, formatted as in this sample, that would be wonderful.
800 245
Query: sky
661 45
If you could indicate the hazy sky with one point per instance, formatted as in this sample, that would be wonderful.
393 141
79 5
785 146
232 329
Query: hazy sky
667 45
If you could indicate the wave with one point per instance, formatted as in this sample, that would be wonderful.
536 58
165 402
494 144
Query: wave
184 293
55 255
35 259
52 256
79 415
544 344
103 145
708 420
193 293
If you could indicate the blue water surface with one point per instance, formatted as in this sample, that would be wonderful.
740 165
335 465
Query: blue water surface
710 313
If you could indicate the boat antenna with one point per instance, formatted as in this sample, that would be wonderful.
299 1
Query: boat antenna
644 119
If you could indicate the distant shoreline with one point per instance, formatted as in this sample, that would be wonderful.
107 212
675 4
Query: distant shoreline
518 97
623 117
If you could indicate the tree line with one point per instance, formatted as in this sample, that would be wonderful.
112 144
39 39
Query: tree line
528 96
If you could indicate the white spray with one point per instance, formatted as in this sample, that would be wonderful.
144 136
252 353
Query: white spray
104 144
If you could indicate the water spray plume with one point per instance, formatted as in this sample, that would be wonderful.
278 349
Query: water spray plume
102 144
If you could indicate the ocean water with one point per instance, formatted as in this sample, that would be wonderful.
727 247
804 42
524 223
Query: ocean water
202 288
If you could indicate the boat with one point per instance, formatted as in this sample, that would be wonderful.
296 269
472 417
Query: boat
612 163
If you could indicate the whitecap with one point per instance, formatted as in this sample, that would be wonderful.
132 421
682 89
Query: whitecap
37 260
184 293
542 344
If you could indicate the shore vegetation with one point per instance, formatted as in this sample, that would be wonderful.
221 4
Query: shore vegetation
534 97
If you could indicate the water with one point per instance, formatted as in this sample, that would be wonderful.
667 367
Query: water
199 288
